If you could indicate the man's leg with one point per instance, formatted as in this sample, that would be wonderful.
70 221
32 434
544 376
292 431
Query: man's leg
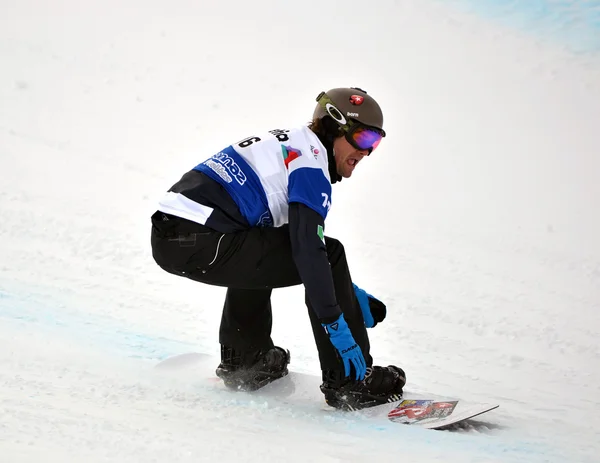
233 260
249 264
249 359
247 320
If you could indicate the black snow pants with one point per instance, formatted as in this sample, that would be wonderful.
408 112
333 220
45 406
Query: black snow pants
250 264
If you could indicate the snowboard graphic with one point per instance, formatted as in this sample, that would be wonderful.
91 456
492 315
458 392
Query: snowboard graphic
435 414
411 411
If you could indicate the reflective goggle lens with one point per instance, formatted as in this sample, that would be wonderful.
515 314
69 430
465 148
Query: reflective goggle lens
366 139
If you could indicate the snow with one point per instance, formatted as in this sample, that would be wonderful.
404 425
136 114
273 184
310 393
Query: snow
484 243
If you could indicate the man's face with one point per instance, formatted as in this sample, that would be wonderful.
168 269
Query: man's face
346 156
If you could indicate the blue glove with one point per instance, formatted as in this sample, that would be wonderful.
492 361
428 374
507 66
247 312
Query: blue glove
341 338
373 309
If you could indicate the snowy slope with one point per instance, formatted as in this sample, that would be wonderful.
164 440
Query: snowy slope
489 260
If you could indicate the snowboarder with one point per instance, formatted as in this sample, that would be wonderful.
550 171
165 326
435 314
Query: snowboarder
251 218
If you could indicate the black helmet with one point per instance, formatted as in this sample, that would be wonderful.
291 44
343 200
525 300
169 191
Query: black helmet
352 103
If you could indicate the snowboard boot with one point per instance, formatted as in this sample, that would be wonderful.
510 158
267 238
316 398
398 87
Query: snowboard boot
249 371
381 385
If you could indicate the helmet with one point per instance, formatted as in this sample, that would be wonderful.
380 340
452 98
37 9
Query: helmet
349 103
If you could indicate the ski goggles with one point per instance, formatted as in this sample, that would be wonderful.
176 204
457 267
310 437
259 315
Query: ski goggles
363 138
360 136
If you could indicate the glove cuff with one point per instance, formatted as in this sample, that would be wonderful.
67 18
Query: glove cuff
336 327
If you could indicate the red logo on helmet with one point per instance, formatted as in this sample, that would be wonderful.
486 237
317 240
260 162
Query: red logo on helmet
357 100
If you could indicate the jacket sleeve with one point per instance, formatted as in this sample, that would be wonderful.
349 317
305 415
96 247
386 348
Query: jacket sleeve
310 256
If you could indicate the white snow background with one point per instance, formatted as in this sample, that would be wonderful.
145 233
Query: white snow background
477 221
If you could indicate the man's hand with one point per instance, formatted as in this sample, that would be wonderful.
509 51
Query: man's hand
374 311
350 352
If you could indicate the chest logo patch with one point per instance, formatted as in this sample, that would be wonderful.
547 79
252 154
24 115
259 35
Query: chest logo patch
289 154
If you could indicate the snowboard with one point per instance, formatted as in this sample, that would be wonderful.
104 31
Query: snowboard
301 390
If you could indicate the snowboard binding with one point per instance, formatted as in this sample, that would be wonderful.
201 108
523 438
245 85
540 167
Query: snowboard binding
381 385
251 371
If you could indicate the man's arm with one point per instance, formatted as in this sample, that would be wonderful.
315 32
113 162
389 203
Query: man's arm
310 256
